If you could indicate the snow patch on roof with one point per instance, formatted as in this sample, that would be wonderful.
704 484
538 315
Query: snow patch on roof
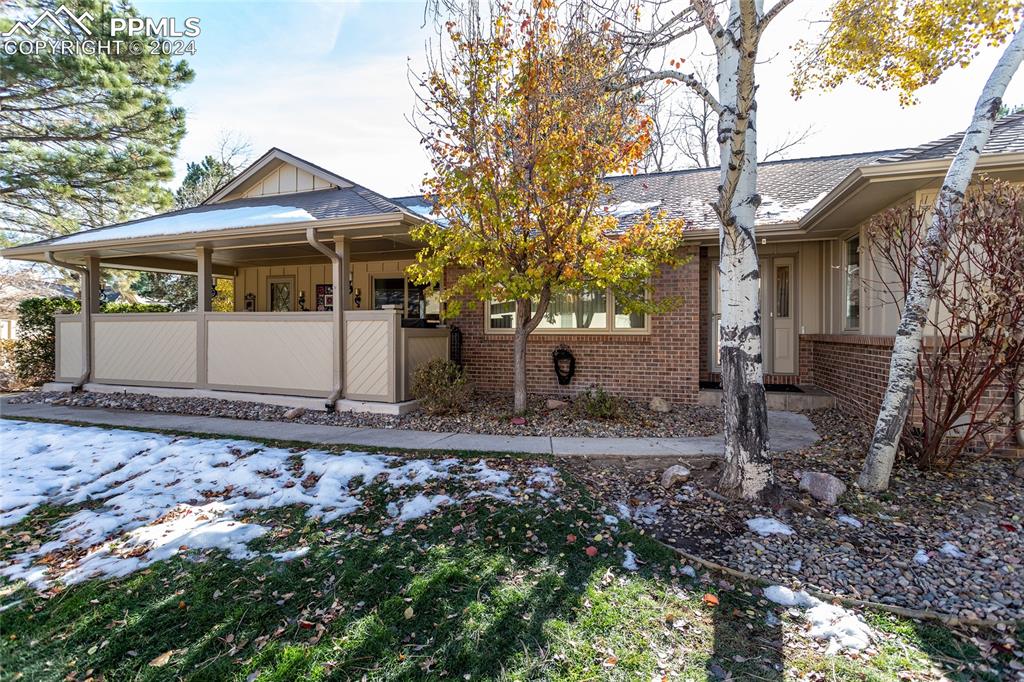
194 221
774 211
627 208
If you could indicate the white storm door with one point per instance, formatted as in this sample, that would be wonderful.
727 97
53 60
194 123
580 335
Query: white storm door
783 313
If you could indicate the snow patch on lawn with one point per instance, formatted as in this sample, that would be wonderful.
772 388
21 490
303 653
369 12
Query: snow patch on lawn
843 629
161 495
629 563
422 505
764 526
290 554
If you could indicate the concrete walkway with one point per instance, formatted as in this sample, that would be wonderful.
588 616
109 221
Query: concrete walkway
789 431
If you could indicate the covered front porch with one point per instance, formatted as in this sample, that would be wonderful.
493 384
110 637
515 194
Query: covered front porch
323 317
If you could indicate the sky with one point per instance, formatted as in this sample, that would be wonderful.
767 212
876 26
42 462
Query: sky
329 82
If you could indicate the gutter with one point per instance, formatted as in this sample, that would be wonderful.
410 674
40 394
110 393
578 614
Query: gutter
83 278
339 385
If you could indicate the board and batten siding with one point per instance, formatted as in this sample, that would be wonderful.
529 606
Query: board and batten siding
286 179
255 280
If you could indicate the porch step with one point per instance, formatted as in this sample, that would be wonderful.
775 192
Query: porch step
810 398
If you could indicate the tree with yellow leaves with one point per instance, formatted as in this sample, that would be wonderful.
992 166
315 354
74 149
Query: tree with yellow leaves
906 44
521 133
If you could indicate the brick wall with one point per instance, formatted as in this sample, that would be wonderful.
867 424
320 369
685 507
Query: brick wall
855 369
662 363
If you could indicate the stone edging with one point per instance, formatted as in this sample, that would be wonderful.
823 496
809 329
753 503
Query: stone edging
918 614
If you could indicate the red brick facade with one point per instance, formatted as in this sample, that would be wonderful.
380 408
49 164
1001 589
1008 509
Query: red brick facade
663 363
855 369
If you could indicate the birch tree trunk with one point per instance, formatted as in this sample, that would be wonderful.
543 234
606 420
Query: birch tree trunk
903 366
748 470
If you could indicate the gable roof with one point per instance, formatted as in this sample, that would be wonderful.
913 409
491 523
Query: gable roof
302 207
271 157
346 200
1007 137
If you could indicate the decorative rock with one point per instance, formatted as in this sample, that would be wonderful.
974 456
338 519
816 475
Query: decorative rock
659 405
822 487
1019 473
295 413
676 473
553 404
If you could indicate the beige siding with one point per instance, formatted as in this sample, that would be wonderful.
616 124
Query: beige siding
286 179
370 354
69 347
289 354
254 280
421 346
157 348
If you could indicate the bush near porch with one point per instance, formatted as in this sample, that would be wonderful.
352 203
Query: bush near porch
33 351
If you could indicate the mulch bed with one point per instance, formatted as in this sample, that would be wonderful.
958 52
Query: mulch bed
977 508
489 414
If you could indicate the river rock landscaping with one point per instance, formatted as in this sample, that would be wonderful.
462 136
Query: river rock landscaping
948 542
484 414
136 555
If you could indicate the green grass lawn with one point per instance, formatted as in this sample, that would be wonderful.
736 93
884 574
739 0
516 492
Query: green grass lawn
482 591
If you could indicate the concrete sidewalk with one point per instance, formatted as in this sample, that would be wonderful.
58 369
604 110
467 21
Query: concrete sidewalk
789 431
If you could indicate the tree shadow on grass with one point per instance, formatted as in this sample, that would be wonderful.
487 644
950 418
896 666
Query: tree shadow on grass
467 594
748 642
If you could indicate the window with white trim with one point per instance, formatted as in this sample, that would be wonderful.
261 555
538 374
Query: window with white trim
851 283
588 311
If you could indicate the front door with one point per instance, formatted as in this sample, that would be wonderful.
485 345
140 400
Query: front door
778 316
781 311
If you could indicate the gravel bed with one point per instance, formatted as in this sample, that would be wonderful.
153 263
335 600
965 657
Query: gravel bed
490 414
896 555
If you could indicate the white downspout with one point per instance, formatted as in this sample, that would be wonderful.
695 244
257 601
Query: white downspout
84 283
339 382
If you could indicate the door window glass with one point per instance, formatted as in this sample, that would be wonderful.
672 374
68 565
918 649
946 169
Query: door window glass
782 291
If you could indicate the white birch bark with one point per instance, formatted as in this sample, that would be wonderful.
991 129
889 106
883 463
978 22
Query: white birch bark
902 369
748 471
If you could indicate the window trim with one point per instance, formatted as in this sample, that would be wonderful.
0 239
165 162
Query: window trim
846 284
610 330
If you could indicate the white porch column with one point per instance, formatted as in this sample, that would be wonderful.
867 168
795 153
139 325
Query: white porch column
204 304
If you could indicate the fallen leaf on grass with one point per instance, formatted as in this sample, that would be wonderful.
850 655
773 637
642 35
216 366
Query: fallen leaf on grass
570 538
591 551
409 613
162 660
710 599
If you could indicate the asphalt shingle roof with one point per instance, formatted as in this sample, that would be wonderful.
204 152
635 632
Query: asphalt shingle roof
788 188
304 206
1007 137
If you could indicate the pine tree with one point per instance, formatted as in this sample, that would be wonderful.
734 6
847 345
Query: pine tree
86 140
